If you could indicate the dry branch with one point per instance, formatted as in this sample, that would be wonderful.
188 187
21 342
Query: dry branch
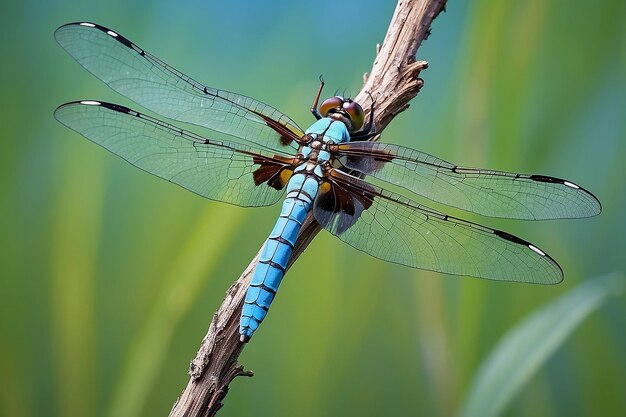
392 82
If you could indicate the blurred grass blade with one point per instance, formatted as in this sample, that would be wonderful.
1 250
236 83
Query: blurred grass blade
190 271
75 243
527 346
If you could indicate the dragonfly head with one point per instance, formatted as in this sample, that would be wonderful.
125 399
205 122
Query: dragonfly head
345 110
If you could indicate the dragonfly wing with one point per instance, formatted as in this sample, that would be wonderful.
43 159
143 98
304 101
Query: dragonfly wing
148 81
485 192
396 229
218 170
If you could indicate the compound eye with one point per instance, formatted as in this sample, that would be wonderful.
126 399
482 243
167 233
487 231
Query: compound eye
329 104
355 111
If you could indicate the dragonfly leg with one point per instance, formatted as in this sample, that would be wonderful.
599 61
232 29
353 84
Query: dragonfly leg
314 110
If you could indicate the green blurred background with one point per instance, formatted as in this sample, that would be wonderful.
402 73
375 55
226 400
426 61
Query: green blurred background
109 276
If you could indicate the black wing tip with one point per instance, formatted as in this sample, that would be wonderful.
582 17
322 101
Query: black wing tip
514 239
97 103
598 209
90 25
93 103
85 24
569 184
595 199
560 276
63 106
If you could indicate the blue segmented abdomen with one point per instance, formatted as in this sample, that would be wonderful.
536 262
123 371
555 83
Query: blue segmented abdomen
276 253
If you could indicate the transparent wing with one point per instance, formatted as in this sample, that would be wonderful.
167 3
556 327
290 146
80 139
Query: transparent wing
150 82
486 192
218 170
396 229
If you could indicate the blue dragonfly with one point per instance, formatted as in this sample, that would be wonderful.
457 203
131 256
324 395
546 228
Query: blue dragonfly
322 170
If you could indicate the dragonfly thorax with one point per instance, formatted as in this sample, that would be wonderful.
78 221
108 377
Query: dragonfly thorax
327 129
322 133
316 144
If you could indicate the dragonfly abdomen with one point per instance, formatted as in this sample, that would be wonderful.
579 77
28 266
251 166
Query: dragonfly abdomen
276 253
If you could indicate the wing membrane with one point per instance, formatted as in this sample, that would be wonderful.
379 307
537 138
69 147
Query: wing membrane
396 229
217 170
150 82
486 192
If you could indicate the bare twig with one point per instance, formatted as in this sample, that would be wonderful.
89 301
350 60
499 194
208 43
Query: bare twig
392 82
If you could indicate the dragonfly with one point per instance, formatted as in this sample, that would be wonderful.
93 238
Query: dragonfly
324 170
